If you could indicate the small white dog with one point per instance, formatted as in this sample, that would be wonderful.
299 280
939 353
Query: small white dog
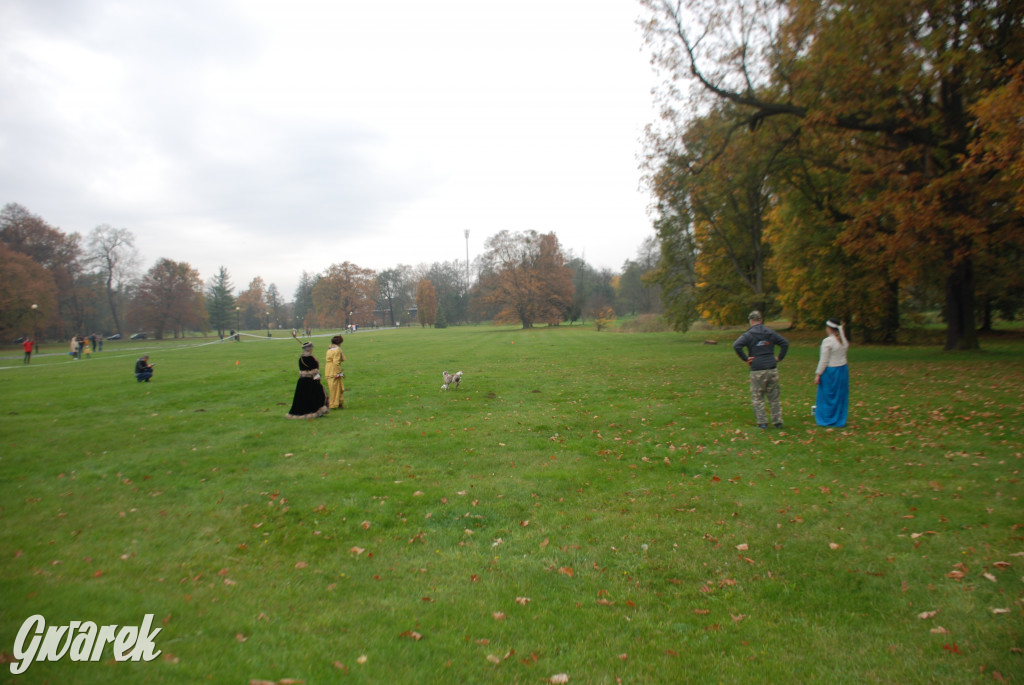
451 379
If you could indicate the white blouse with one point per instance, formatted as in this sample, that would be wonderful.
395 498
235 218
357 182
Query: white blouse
833 352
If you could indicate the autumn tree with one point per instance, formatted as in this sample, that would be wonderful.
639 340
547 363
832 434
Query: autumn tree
525 275
997 162
426 302
252 305
24 282
112 253
169 297
220 302
899 78
58 253
344 294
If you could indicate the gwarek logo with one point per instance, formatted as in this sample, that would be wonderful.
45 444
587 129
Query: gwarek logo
81 641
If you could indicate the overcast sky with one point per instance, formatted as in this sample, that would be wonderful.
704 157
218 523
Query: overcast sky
275 137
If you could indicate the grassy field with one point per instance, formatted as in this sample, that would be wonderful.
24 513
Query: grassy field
592 505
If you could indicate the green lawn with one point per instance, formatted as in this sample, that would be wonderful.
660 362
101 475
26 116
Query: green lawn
593 504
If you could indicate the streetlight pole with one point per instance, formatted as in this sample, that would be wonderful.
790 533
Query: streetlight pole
268 324
35 328
238 324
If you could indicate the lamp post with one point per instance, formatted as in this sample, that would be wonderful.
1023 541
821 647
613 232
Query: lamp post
238 324
268 324
35 327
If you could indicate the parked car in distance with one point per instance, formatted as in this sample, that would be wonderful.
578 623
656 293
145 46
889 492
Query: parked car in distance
115 336
138 336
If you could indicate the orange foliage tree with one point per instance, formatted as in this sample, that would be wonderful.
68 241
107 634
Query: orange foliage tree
23 283
524 275
169 298
899 81
426 302
344 294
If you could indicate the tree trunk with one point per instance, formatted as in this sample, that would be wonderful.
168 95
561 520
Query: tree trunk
960 331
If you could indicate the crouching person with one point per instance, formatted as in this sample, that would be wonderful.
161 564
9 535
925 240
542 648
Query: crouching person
143 369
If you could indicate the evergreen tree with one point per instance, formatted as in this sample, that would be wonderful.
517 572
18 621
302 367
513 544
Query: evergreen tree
220 302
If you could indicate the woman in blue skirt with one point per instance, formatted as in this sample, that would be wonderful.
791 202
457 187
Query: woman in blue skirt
832 377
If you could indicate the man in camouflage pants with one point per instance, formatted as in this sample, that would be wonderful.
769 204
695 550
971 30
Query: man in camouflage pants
760 356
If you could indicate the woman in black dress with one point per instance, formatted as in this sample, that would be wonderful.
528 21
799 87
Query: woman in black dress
310 399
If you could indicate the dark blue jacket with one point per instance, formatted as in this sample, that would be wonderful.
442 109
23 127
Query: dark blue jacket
760 342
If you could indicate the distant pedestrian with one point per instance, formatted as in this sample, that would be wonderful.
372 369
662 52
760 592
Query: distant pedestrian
143 369
28 345
74 347
760 342
832 377
87 348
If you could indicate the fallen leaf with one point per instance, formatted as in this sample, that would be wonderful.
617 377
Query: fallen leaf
1000 611
498 616
559 679
240 637
833 545
365 525
411 633
522 600
301 564
361 660
939 630
566 571
356 550
991 577
924 615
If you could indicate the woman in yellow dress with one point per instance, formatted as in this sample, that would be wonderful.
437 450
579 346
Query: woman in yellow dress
332 369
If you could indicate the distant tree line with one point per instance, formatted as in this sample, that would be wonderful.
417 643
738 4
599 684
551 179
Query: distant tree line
95 285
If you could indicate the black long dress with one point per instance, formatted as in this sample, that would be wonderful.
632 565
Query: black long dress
310 399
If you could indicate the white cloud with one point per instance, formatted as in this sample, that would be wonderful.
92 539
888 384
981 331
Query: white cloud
273 138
